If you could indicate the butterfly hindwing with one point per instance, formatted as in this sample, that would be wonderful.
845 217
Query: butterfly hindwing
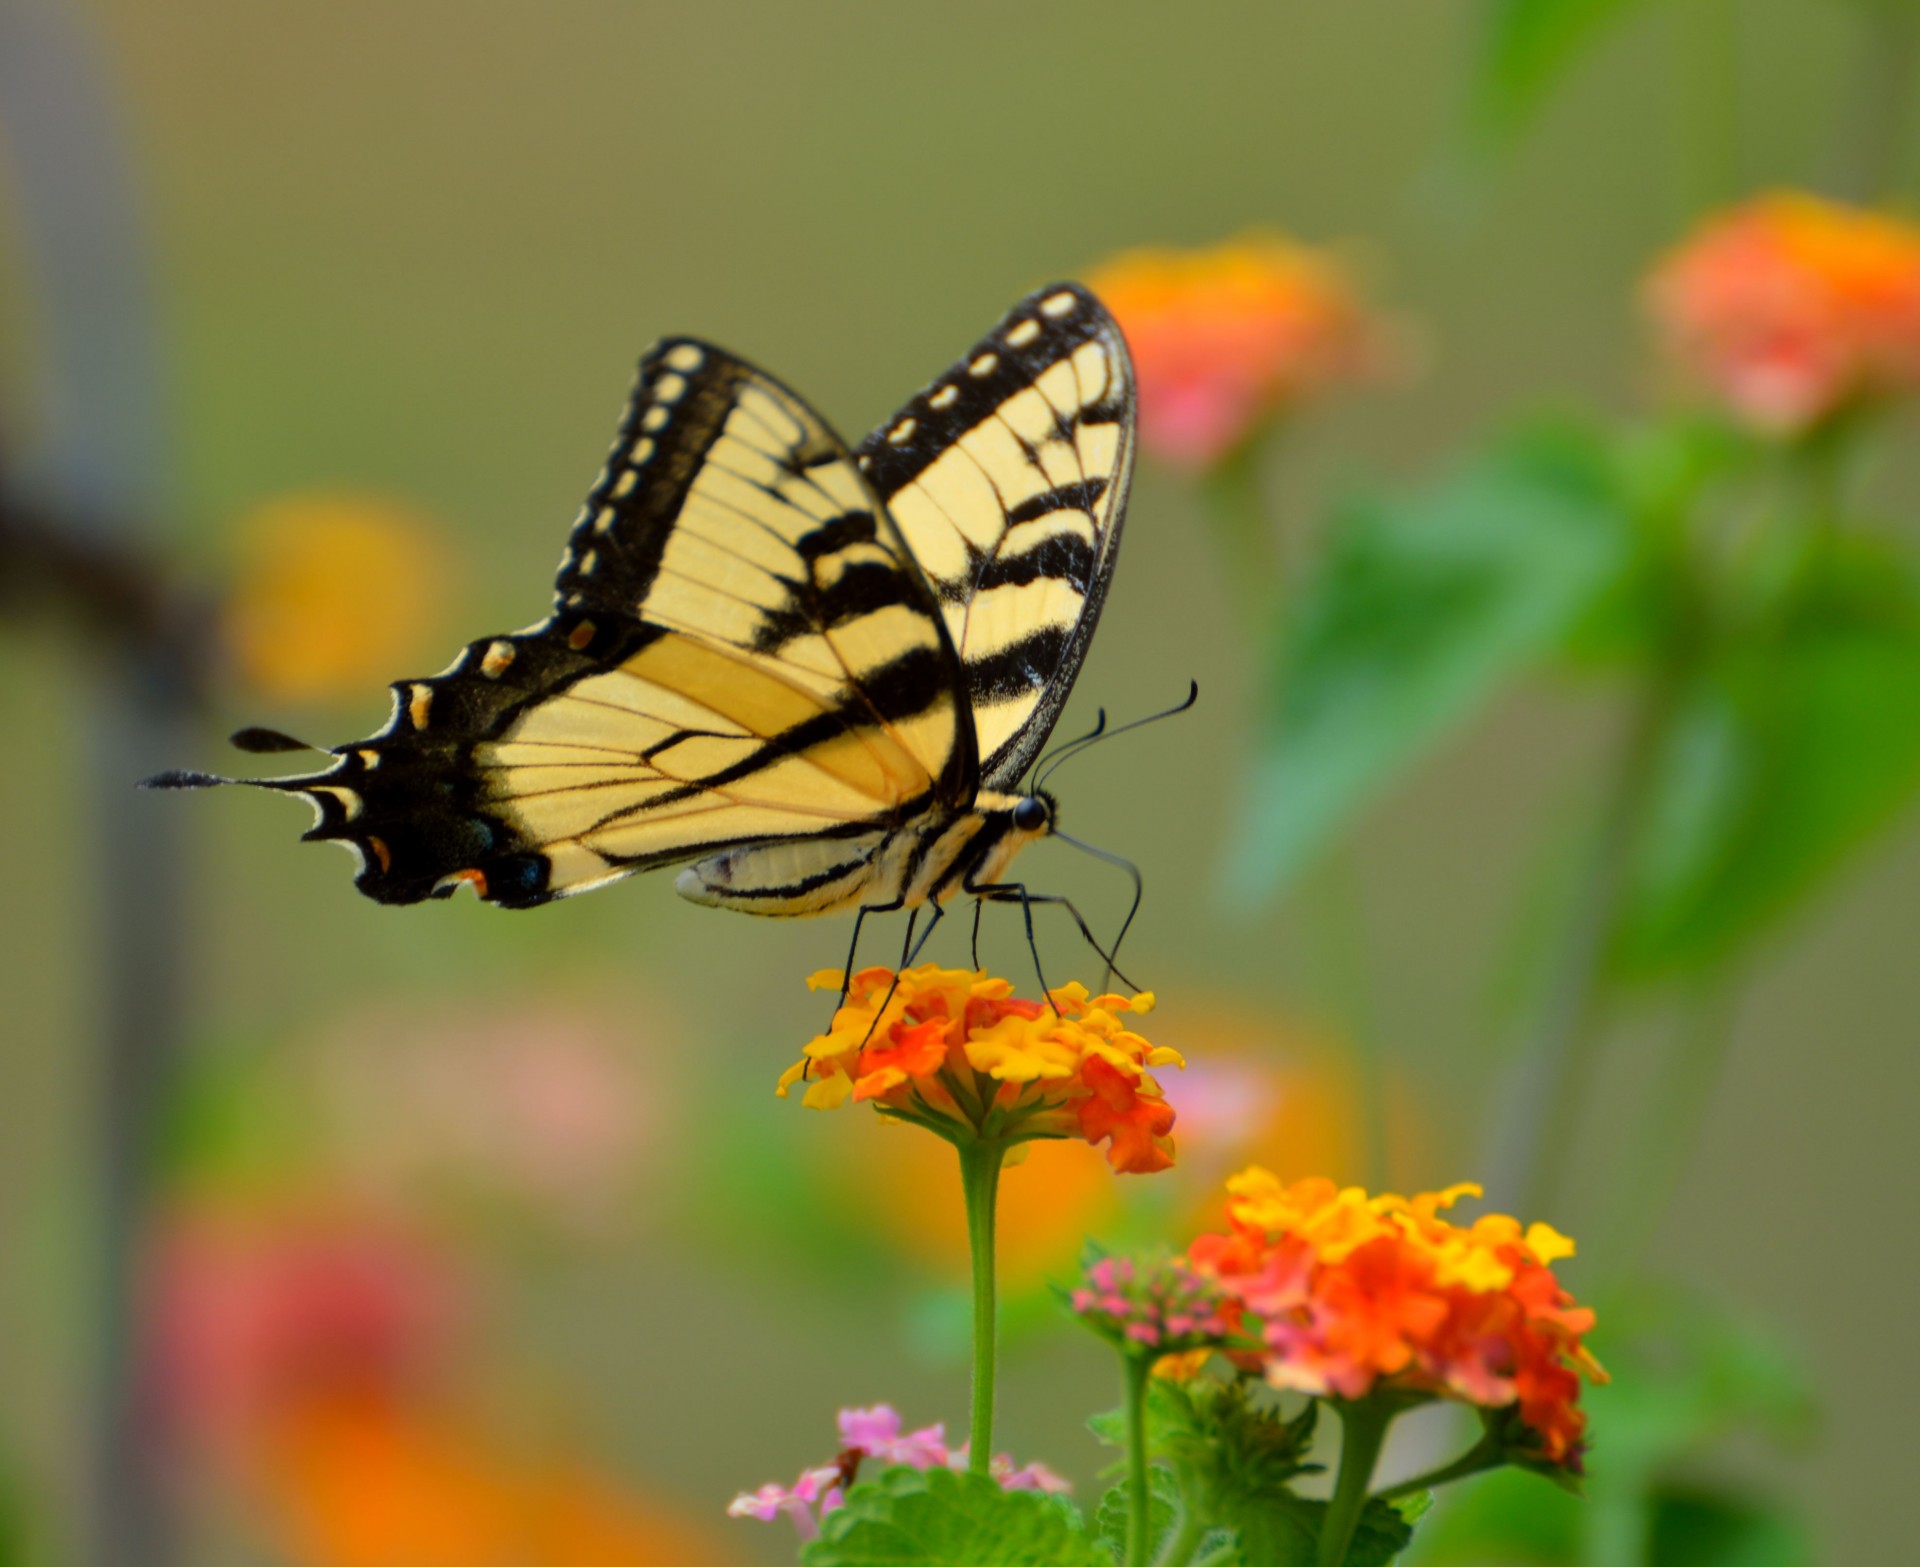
741 649
1008 479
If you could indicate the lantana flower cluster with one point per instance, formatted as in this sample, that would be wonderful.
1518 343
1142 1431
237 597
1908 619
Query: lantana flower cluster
1791 308
1350 1293
875 1436
1167 1305
1225 337
958 1053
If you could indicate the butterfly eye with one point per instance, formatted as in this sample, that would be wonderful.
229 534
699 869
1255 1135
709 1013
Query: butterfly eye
1030 815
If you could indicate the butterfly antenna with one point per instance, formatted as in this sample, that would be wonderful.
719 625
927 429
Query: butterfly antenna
1060 752
1073 748
1112 954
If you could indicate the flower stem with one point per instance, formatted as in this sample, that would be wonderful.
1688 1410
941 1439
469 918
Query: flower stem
1566 1039
1885 91
1179 1550
980 1183
1363 1432
1249 545
1139 1371
1483 1455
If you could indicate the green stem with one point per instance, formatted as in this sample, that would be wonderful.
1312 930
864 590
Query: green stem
1139 1371
1884 96
1179 1550
1669 1131
1363 1432
1333 918
1333 924
1566 1040
980 1183
1249 545
1483 1455
1707 100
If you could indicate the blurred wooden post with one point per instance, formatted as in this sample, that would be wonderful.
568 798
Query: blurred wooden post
99 468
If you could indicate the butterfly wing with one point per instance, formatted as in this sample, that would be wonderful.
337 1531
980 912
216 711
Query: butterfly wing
740 649
1008 478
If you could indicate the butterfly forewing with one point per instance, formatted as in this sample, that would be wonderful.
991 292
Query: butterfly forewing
1008 479
740 649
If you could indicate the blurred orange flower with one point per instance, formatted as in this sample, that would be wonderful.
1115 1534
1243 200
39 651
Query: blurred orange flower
333 595
1225 337
955 1052
365 1482
1347 1292
1792 308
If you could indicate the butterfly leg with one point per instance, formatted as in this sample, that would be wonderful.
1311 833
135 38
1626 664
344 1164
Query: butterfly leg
908 952
853 947
978 905
1015 892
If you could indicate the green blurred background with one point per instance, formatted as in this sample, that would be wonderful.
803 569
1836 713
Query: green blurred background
413 251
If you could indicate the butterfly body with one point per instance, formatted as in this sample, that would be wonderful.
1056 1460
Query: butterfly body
927 860
812 676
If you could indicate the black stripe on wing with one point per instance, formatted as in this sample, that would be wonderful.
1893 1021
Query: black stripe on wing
1008 478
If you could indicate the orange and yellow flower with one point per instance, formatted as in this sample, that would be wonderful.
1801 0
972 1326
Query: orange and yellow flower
1791 308
958 1053
1225 337
1348 1292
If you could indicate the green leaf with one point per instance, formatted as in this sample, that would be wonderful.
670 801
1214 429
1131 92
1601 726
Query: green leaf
1696 1528
1686 1375
1788 751
940 1518
1233 1435
1232 1455
1529 46
1503 1517
1422 606
1216 1548
1285 1531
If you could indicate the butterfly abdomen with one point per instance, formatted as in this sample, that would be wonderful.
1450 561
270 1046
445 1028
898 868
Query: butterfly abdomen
929 859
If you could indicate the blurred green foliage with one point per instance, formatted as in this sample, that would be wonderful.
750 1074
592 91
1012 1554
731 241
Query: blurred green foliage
1420 608
1687 1375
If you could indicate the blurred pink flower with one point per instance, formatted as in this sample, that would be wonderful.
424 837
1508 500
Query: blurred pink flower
817 1487
874 1436
875 1433
1164 1305
254 1308
538 1101
1791 308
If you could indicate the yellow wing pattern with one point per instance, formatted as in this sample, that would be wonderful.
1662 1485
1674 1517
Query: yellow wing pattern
740 649
1008 478
794 664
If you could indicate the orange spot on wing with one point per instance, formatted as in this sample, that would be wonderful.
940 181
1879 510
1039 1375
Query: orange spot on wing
581 635
380 851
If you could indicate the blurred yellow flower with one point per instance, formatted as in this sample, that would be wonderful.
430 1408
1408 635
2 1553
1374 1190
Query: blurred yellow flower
1225 337
333 595
1792 308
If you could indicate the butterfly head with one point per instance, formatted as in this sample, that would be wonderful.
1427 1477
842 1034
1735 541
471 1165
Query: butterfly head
1035 814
